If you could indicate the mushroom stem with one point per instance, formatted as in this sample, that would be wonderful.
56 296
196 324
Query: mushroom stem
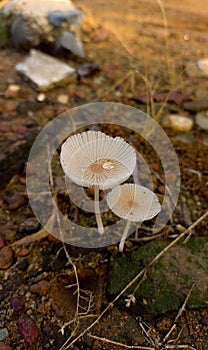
123 238
97 210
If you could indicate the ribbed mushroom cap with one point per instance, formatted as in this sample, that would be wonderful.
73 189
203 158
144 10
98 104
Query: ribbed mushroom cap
133 202
94 159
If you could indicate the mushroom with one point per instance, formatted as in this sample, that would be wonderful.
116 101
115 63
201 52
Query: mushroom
94 159
132 202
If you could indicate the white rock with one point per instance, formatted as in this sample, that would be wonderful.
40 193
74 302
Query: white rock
63 99
178 122
41 97
202 120
45 72
34 21
198 68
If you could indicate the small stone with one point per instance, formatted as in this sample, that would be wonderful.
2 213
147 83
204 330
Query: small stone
178 122
41 97
196 106
40 288
3 333
39 69
23 265
15 201
87 69
202 120
198 68
28 329
63 99
204 321
4 346
22 251
6 258
30 225
17 304
12 91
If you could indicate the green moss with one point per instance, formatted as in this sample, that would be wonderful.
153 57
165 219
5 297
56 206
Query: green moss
169 280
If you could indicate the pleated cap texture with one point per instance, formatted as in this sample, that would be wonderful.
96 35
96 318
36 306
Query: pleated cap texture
133 202
93 158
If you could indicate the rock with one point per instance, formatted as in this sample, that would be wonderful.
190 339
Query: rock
204 321
12 91
30 225
196 106
3 333
28 329
63 99
44 71
202 120
41 97
198 69
17 304
69 42
169 280
40 288
23 265
6 258
34 22
178 122
87 69
22 251
15 201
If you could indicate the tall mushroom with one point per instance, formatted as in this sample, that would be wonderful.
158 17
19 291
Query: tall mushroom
94 159
134 203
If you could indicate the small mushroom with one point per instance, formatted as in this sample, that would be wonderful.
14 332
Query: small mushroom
94 159
133 203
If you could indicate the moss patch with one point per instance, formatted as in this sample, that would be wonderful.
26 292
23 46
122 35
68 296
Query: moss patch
169 280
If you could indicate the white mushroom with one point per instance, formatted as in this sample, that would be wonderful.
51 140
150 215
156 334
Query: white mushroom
133 203
94 159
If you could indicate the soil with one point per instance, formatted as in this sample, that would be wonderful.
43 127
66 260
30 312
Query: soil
123 38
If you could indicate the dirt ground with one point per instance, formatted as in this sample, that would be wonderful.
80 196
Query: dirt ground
122 37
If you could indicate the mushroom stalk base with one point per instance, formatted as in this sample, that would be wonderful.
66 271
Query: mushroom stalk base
97 210
123 238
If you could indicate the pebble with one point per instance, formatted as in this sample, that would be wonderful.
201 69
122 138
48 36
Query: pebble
41 97
6 258
23 265
198 68
3 333
196 106
204 321
178 122
40 288
63 99
87 69
15 201
202 120
22 251
17 304
29 226
12 91
4 346
28 329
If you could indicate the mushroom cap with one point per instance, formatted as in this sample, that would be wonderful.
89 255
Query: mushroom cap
93 158
133 202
